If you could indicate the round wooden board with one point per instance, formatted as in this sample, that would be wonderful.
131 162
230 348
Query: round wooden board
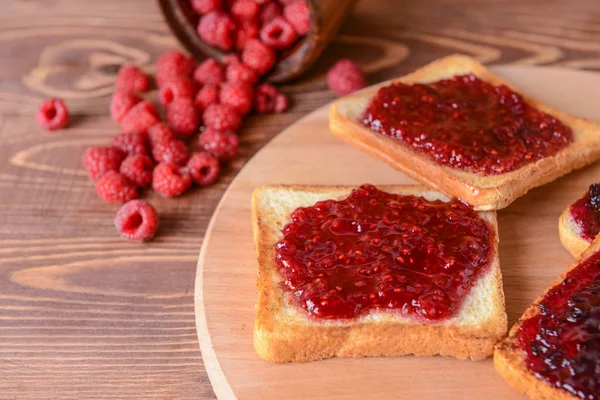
531 257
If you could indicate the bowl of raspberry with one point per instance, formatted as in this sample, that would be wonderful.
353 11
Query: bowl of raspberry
276 39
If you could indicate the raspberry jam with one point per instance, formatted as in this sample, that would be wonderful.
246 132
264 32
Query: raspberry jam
376 250
466 123
586 213
562 342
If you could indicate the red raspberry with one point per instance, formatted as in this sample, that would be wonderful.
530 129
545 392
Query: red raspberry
170 180
268 99
222 117
205 6
173 64
345 77
286 2
269 11
98 160
231 59
210 72
137 221
258 56
217 29
279 34
206 96
140 118
121 103
204 168
298 14
223 145
160 133
248 30
53 114
114 188
137 169
183 117
131 79
238 95
176 89
241 73
131 142
245 10
281 103
174 151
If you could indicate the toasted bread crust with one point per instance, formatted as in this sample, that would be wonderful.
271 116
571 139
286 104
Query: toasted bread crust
569 234
484 192
285 340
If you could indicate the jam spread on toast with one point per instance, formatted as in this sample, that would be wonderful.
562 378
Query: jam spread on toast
466 123
340 259
586 213
562 342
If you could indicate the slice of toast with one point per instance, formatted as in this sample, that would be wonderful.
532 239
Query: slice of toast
509 358
570 234
284 333
483 192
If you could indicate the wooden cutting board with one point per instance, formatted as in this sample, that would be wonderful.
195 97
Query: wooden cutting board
531 257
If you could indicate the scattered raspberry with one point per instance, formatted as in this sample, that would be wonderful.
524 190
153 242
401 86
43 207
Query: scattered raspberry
279 34
345 77
177 88
174 151
245 10
268 99
298 14
131 142
140 118
223 145
137 169
246 31
238 95
206 96
205 6
217 29
121 103
114 188
258 56
203 168
183 117
170 180
210 72
137 221
53 114
269 12
98 160
173 64
160 133
222 117
281 103
241 73
131 79
231 59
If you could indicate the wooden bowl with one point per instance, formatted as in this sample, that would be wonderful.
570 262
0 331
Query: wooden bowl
326 17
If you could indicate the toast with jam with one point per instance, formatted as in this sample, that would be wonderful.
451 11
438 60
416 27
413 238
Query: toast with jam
579 224
354 272
457 127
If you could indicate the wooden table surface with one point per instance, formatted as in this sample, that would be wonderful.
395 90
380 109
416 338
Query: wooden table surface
86 315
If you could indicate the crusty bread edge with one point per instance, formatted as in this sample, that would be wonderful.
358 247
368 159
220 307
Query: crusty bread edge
284 343
569 237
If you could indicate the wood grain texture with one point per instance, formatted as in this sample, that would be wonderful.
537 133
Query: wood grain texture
84 315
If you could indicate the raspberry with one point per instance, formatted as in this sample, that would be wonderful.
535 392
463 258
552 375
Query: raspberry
174 151
238 95
231 59
222 145
258 56
248 30
137 221
281 103
177 88
217 29
241 73
286 2
210 72
137 169
170 180
173 64
203 168
160 133
121 103
205 6
245 10
298 14
345 77
53 114
279 34
269 11
140 118
183 117
222 117
131 79
114 188
131 143
98 160
206 96
268 99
